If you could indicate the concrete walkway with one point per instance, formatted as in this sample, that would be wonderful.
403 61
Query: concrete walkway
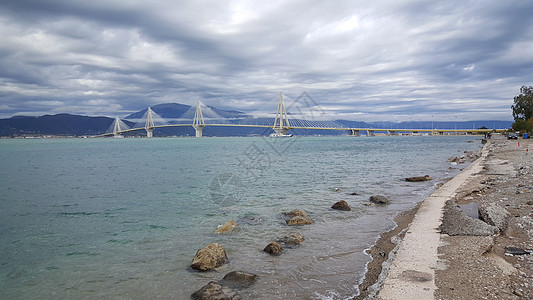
412 272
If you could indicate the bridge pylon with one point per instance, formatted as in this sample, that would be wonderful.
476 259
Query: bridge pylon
198 122
116 127
150 125
281 122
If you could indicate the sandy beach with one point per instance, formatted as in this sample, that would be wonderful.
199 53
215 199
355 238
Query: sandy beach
443 249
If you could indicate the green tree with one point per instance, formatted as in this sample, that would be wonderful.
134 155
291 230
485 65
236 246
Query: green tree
521 125
523 104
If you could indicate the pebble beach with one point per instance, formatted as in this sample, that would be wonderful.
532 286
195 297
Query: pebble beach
470 239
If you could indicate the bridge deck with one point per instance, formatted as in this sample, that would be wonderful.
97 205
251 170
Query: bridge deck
325 128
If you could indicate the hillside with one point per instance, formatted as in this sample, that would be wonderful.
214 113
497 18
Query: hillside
75 125
60 124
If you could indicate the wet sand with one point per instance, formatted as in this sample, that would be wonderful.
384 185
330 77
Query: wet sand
382 251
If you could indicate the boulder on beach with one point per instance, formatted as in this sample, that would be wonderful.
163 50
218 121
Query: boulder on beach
293 239
273 248
229 226
299 221
379 199
215 291
418 178
238 279
456 222
296 213
494 215
341 205
210 257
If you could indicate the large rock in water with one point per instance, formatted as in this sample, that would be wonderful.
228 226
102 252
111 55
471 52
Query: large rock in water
210 257
293 239
341 205
295 221
229 226
273 248
495 215
379 199
296 213
238 279
418 178
215 291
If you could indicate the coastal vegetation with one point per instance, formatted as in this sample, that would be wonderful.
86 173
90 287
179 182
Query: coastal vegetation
523 110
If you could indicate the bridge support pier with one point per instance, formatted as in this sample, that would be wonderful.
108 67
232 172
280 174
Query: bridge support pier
281 122
355 132
198 129
149 132
369 133
198 122
282 131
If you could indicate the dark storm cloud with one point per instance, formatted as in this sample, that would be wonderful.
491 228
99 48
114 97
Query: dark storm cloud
387 60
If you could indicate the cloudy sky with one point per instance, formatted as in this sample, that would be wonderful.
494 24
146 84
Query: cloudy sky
358 60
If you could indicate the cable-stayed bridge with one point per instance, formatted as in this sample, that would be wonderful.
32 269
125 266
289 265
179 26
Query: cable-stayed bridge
201 116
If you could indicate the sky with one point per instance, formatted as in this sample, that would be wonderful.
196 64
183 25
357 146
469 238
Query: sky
406 60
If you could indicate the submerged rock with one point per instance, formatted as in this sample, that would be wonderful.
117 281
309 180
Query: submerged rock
341 205
293 239
229 226
273 248
418 178
296 213
299 221
238 279
215 291
454 159
251 220
379 199
210 257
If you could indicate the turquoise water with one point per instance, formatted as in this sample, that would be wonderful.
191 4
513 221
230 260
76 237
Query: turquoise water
123 218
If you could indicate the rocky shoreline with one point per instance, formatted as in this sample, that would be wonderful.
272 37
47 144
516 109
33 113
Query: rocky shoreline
489 256
480 230
498 265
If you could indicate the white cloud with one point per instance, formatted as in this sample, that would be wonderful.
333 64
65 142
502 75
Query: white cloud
376 59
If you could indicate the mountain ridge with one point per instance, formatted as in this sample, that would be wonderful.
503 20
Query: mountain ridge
65 124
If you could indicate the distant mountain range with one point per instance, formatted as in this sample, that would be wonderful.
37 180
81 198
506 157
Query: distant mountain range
76 125
60 124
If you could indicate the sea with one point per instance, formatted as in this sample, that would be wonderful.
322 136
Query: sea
108 218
